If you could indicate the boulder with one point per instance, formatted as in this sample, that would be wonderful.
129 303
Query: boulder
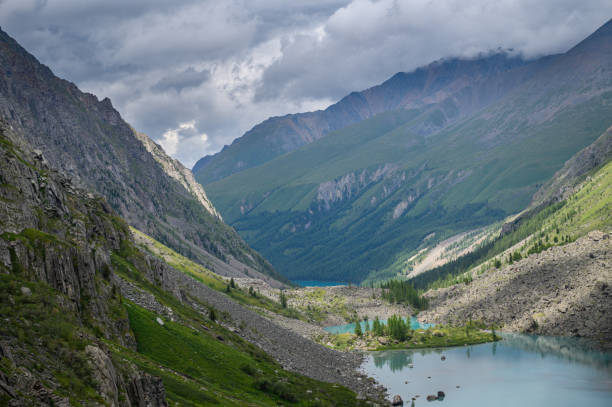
441 395
431 397
397 400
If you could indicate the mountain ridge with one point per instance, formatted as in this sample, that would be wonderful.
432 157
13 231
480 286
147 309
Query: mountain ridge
88 140
283 134
362 198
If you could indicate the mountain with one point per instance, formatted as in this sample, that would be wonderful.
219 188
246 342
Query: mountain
434 83
88 140
56 244
90 318
574 202
548 273
360 201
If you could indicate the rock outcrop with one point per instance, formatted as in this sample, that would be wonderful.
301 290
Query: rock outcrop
177 171
53 234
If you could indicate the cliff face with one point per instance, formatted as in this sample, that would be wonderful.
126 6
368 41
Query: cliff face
88 140
178 172
59 295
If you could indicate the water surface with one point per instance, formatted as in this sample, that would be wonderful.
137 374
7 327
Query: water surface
520 370
318 283
342 329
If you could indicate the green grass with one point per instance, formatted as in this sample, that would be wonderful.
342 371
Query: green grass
198 369
437 337
42 327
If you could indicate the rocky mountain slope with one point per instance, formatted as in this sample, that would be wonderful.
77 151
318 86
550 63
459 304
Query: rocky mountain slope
59 300
563 183
88 140
90 319
177 171
563 291
353 204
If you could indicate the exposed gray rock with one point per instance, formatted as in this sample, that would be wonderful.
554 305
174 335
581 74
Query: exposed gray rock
563 291
54 233
104 373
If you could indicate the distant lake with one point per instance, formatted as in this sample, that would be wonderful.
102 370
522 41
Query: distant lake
350 328
519 370
318 283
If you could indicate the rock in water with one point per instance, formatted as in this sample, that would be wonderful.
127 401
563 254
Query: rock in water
431 397
441 395
397 400
443 358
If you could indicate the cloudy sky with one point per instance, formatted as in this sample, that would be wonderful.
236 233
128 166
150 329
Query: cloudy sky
194 75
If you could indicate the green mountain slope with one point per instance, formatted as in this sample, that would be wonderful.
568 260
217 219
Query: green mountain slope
576 201
89 140
90 319
279 135
348 204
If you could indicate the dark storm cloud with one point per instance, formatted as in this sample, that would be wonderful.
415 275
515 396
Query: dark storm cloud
196 74
189 78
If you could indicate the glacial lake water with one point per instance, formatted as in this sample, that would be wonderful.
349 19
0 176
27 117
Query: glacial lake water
519 370
318 283
341 329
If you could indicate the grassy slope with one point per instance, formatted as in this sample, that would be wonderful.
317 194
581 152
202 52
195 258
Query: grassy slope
54 337
588 209
198 368
354 237
209 278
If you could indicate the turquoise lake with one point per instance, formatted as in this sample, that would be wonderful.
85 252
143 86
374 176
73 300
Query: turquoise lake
342 329
519 370
317 283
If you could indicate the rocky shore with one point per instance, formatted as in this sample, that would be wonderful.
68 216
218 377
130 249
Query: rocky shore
563 291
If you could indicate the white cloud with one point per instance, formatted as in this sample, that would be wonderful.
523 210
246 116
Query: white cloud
223 66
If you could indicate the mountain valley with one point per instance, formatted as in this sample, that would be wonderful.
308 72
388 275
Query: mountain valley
445 215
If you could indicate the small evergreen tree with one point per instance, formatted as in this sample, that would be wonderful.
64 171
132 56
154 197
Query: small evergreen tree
212 314
358 330
283 299
232 283
376 327
228 289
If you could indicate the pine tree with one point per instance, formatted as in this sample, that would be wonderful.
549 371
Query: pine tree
283 299
212 314
358 330
232 283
